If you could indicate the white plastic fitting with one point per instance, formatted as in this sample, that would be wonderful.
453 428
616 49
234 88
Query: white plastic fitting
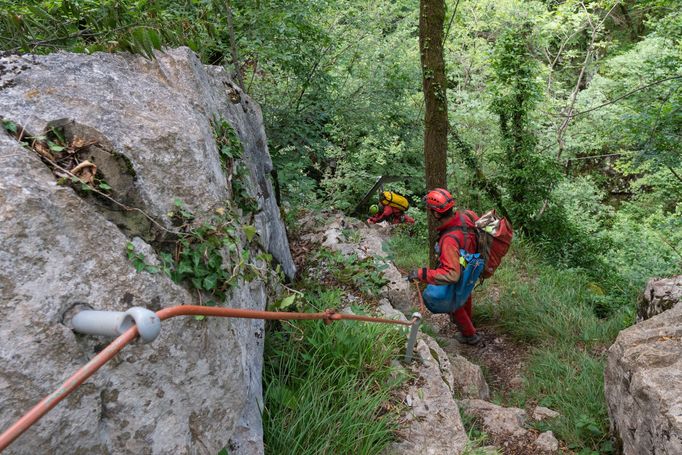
115 323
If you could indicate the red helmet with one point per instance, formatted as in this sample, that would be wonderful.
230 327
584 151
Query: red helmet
439 200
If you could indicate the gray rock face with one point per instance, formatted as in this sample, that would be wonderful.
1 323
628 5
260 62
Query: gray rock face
197 388
432 425
469 381
660 295
330 234
498 420
547 443
642 384
158 115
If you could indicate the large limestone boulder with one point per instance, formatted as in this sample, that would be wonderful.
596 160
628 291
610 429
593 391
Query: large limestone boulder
642 383
197 388
157 114
498 420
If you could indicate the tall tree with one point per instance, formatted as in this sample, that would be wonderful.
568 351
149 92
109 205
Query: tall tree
529 176
431 19
233 47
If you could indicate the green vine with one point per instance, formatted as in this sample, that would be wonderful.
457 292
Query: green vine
208 256
230 150
529 176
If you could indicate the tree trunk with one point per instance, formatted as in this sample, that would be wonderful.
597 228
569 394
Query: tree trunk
431 19
233 47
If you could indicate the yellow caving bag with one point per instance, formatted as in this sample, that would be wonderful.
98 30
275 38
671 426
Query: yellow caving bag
394 200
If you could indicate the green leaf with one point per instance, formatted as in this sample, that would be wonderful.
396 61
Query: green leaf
250 232
55 147
200 271
144 40
104 186
184 268
215 261
200 317
287 302
210 282
9 126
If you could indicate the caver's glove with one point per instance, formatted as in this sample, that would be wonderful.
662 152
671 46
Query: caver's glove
413 275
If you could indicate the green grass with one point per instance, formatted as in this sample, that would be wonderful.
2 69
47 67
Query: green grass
571 382
327 388
407 253
476 434
553 311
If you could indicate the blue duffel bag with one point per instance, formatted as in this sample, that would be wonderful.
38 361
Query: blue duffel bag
447 298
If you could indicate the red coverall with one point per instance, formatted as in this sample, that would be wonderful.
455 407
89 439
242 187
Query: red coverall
392 215
448 270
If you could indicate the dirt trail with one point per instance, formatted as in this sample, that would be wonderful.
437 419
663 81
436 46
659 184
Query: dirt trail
501 359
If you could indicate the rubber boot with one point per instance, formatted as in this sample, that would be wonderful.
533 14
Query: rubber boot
472 340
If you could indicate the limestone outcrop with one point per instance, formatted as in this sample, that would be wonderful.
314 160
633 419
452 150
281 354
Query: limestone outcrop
660 294
498 420
643 379
150 128
432 422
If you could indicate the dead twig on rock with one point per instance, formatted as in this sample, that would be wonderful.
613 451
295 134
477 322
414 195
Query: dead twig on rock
111 199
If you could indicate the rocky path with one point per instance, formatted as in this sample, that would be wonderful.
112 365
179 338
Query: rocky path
502 359
448 375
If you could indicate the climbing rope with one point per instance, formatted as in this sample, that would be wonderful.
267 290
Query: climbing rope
71 384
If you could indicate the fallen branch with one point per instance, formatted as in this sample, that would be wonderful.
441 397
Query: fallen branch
293 290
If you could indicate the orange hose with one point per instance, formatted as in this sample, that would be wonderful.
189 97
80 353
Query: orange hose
71 384
422 307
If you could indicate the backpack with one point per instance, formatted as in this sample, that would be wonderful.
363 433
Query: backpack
493 238
450 297
394 200
494 235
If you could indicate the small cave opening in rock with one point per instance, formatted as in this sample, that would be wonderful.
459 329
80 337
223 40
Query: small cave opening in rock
83 158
